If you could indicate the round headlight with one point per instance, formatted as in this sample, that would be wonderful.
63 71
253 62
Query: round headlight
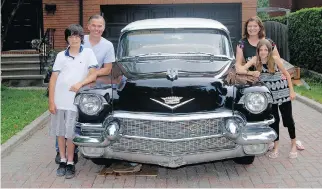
255 102
90 104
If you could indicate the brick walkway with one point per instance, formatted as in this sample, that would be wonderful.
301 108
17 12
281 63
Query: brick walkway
32 165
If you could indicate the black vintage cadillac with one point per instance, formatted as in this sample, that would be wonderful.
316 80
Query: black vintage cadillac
169 101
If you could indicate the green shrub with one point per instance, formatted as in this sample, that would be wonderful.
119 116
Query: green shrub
280 19
262 4
305 37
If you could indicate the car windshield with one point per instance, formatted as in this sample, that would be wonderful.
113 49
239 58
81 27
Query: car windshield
163 42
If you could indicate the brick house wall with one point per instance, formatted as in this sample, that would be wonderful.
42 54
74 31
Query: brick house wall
294 5
299 4
67 12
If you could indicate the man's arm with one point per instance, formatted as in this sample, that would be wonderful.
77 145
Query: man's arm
91 76
106 70
108 59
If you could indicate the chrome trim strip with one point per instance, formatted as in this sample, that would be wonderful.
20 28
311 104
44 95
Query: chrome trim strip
256 135
173 117
102 99
171 140
91 125
173 161
91 142
261 123
267 95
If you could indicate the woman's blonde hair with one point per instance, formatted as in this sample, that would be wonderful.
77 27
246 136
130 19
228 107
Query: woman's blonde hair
270 59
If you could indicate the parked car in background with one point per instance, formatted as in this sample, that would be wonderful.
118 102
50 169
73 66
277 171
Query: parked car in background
173 100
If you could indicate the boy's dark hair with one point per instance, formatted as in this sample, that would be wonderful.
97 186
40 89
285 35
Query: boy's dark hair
74 29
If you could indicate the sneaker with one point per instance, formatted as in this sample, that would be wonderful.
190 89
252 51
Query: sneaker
61 171
70 171
57 158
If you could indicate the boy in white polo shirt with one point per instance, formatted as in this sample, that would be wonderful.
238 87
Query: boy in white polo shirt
73 68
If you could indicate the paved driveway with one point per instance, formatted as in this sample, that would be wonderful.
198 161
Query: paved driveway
32 165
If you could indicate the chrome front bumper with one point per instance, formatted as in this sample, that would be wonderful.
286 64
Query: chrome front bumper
252 133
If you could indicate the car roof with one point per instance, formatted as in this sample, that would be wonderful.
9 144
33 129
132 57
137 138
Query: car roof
161 23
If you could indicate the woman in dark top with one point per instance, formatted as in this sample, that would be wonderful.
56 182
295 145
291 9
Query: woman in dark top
246 48
271 69
254 31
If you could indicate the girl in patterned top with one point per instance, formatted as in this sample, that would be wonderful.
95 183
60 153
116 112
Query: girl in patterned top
278 80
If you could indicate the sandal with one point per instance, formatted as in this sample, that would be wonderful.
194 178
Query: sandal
299 145
273 155
292 155
271 146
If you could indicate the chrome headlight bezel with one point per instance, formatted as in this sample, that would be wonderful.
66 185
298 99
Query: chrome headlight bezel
101 103
248 106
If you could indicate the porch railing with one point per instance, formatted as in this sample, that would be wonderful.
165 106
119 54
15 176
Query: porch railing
46 49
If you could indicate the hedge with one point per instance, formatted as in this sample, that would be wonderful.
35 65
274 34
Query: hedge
305 37
280 19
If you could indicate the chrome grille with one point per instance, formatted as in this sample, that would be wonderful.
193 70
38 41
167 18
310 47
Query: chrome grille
171 130
172 148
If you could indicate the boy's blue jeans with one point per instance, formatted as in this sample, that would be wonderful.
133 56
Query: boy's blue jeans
57 148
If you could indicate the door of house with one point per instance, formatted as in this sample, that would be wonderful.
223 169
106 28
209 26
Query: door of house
25 26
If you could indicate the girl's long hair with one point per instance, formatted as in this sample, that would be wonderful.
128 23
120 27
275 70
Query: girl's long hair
270 59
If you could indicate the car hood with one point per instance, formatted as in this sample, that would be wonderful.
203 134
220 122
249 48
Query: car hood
186 94
146 88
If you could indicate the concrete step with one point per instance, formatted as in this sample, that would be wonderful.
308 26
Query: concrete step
20 71
23 77
23 80
19 57
20 64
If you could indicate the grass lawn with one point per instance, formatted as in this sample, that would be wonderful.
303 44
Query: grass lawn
315 93
19 108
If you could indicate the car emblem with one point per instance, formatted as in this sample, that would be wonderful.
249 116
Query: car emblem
172 100
172 74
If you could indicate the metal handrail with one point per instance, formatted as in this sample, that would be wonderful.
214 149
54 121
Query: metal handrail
46 44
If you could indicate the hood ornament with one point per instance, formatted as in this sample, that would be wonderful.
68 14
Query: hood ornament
172 74
170 101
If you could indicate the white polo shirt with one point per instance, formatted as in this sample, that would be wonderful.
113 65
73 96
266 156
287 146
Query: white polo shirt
71 71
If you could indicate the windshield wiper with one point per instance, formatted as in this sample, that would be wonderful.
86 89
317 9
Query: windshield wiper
212 56
147 54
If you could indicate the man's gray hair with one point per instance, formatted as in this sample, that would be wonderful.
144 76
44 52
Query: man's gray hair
96 16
